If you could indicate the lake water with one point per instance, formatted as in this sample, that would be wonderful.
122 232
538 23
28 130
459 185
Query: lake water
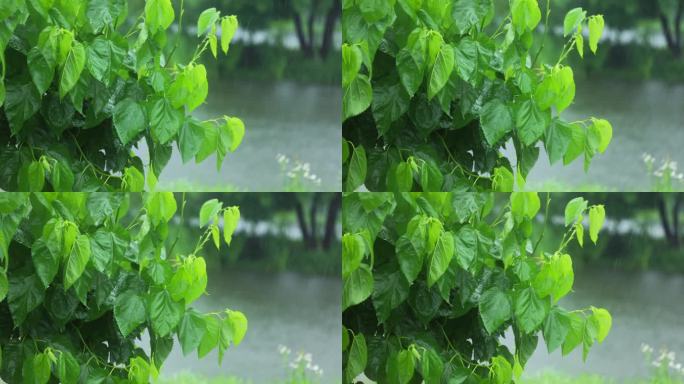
646 117
301 122
300 312
646 308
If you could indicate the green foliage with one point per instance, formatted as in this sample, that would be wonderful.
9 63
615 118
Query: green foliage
82 84
85 277
433 81
435 280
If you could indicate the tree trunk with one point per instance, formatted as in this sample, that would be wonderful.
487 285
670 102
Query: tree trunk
672 36
664 221
331 220
311 24
331 18
301 219
675 219
301 37
314 221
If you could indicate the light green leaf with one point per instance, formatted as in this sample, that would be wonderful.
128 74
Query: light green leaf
357 97
441 257
597 215
238 323
525 204
596 25
77 260
159 15
573 19
358 286
441 70
209 211
502 371
207 19
73 67
526 15
231 217
229 26
574 210
603 322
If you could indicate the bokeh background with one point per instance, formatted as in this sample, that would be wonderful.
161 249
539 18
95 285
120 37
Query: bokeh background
282 77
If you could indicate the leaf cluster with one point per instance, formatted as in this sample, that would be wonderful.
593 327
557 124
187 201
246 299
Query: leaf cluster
433 94
82 84
84 277
433 282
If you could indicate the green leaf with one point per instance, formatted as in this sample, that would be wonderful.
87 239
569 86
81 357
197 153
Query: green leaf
596 25
209 211
237 132
502 371
36 369
525 204
165 121
24 295
22 101
496 121
410 260
390 290
390 102
133 180
129 120
159 15
351 63
404 177
77 260
238 323
526 15
531 122
603 321
103 13
431 179
465 246
574 210
207 19
129 312
495 308
411 62
31 177
353 251
73 67
45 261
99 63
557 140
576 332
356 175
555 277
62 179
441 257
103 246
403 367
530 310
165 314
41 71
573 19
358 286
358 358
604 131
68 368
229 26
469 14
190 280
190 141
556 328
231 217
190 331
432 367
503 180
4 285
441 71
357 97
161 206
597 215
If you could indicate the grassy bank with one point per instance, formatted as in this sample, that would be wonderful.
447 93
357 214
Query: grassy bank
559 378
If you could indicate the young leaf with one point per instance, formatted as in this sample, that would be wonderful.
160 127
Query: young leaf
238 324
231 217
207 19
77 260
596 24
73 67
229 26
209 211
597 215
159 15
441 257
573 19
